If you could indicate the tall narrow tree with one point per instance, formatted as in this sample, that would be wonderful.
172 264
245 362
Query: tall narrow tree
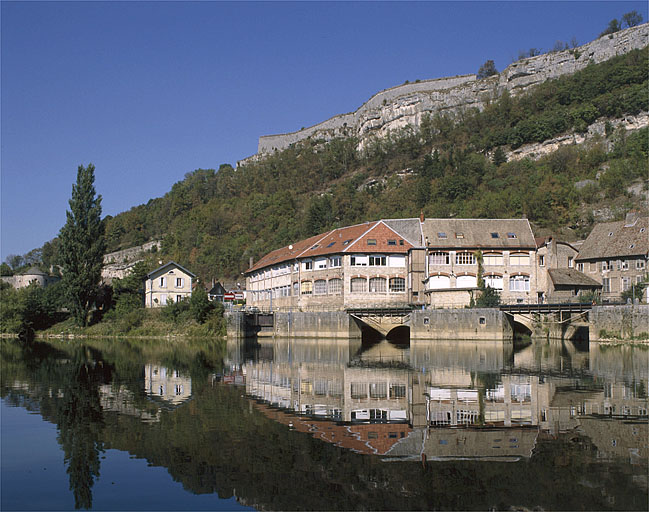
82 245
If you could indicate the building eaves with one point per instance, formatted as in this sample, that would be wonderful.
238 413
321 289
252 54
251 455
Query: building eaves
171 263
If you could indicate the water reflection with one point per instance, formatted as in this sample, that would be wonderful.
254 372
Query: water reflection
410 402
295 424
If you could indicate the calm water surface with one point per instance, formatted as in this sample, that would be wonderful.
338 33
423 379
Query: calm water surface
323 425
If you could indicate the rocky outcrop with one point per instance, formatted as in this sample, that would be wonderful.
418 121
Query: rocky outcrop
406 105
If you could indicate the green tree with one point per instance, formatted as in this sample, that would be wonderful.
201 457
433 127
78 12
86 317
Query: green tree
632 18
613 26
5 270
200 305
487 69
82 246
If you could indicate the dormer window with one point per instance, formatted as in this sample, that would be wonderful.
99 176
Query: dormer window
441 235
392 242
371 241
611 233
495 235
511 235
332 243
459 235
642 230
346 242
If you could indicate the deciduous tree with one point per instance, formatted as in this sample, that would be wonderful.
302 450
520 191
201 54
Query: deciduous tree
487 69
82 245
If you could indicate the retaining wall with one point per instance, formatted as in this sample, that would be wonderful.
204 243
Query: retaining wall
623 322
460 324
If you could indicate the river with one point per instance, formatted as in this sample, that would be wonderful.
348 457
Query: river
323 425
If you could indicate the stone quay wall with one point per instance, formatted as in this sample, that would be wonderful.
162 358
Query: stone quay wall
460 324
619 322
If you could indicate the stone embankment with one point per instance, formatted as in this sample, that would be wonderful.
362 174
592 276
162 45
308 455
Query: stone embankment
407 104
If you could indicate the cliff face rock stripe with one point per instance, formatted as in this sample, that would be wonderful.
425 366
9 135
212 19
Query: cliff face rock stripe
405 105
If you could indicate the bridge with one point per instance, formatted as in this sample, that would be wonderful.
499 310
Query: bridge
382 320
561 320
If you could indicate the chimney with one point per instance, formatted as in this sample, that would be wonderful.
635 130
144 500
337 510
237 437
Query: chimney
251 260
631 219
421 216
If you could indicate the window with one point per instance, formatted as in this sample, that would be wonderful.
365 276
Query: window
331 244
439 282
377 261
571 262
606 285
163 282
541 260
392 242
320 263
378 414
377 285
296 289
511 235
307 265
378 390
179 298
580 267
359 390
491 258
459 235
625 265
519 284
441 235
335 261
397 391
397 261
626 283
466 282
358 285
397 285
359 261
519 258
439 258
320 287
335 286
495 235
371 241
465 258
639 264
179 282
307 287
346 242
163 299
495 282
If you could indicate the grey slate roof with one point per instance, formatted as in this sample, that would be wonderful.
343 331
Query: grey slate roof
571 277
410 229
477 233
33 271
170 264
616 240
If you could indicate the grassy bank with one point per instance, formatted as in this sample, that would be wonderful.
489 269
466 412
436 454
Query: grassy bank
141 323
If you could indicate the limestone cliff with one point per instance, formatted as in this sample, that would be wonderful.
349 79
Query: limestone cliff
406 105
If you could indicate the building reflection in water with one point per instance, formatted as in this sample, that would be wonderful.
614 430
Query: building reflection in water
166 384
451 400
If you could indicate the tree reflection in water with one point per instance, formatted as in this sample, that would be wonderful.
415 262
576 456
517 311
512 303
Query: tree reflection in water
80 422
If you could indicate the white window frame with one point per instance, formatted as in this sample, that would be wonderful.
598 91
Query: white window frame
493 259
335 286
397 285
519 259
358 282
378 285
519 283
335 261
465 258
439 258
320 287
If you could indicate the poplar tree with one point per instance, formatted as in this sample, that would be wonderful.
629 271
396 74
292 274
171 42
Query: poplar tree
82 246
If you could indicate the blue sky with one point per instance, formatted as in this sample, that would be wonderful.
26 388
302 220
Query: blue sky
148 91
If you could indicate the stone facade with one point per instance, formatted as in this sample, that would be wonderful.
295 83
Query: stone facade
407 104
170 281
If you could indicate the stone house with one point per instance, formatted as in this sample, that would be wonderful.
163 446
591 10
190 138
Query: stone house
170 281
615 255
558 279
452 251
365 265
